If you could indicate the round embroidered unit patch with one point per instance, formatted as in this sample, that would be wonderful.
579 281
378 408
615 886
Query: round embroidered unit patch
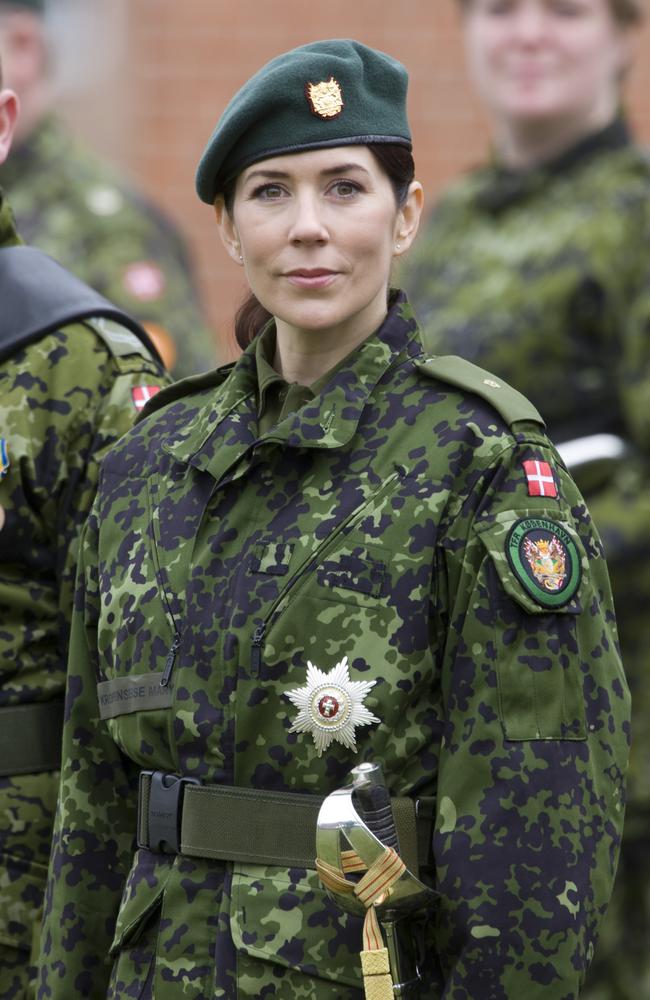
545 560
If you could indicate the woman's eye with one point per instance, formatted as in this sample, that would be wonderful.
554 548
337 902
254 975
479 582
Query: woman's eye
496 7
345 189
567 8
268 192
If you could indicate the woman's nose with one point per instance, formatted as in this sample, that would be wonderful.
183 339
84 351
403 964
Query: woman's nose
530 21
308 223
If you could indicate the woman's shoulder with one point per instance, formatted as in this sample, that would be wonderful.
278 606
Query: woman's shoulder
176 411
621 171
186 388
468 379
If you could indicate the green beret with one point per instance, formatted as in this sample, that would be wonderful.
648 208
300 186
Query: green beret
331 93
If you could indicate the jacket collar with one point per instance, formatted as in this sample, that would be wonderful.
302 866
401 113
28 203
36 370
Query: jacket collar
8 235
500 187
45 146
226 427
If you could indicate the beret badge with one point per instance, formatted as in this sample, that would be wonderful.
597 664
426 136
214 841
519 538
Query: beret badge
325 98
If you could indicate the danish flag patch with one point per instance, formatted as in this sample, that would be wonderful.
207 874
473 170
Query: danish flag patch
142 394
541 481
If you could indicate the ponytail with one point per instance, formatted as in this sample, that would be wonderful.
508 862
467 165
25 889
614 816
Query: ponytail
249 320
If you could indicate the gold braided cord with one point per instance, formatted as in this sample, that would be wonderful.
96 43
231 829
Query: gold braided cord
351 862
377 981
370 890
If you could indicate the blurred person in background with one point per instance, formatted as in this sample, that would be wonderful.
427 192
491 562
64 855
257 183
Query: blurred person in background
74 373
77 208
537 266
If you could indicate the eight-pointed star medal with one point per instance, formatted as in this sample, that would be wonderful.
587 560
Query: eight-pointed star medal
331 706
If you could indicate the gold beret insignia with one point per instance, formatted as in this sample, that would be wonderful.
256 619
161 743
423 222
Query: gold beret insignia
325 98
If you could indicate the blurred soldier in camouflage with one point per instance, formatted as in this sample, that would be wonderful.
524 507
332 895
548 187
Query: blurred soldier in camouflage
68 389
79 210
537 266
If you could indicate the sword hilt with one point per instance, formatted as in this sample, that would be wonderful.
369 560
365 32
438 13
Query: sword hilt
375 803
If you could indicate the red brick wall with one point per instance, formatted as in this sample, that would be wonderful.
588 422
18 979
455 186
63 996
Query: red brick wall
182 61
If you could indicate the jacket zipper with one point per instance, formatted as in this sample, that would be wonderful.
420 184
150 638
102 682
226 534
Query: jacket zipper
171 657
275 610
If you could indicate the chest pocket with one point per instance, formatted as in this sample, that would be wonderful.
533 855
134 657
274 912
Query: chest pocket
533 573
272 558
358 570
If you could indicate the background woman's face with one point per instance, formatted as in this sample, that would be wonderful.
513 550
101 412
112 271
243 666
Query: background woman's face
539 60
317 231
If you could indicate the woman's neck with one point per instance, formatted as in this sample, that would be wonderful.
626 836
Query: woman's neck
525 145
306 359
304 356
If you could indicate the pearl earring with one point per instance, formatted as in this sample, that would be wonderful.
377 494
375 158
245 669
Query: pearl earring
398 246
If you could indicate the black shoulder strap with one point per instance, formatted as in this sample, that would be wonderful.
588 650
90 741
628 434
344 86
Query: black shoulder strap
38 296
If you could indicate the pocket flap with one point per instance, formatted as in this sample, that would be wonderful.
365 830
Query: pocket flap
284 916
142 896
357 570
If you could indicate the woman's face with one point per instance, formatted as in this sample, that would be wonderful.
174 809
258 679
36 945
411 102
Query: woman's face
318 232
540 60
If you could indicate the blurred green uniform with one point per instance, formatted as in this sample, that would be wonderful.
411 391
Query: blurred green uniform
76 208
381 523
544 278
63 400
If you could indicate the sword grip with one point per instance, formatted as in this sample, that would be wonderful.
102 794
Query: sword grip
373 799
377 813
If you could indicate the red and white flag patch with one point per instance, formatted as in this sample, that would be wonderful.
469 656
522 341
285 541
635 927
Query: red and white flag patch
541 481
142 394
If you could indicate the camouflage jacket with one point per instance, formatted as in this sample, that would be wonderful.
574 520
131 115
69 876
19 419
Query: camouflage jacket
80 211
544 279
372 524
63 400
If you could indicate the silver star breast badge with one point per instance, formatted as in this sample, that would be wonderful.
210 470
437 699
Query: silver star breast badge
331 706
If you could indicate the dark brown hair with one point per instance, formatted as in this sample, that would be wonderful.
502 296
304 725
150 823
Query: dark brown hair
396 162
625 12
628 11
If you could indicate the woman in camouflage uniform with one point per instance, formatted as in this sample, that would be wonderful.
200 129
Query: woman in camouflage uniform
337 550
536 266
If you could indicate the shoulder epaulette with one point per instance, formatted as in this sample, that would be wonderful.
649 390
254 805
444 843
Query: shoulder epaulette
186 387
119 339
39 297
508 402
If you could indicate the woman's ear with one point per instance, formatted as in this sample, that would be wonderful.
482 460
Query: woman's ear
408 218
8 115
228 230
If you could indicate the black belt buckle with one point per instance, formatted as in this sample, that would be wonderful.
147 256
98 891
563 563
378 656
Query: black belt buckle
164 811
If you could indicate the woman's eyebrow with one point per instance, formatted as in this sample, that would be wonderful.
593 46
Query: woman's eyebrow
340 168
273 174
343 168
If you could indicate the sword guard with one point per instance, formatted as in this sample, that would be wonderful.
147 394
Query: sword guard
340 828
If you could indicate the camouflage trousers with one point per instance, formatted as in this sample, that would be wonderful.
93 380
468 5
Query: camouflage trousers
621 966
17 976
27 806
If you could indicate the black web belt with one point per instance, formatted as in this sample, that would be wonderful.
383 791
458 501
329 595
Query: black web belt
30 738
180 816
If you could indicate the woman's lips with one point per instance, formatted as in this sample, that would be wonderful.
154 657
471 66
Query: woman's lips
317 277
